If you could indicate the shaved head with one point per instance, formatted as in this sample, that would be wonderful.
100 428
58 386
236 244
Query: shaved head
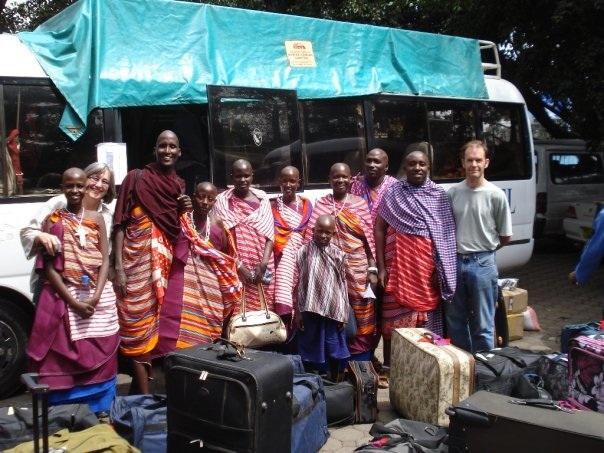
241 164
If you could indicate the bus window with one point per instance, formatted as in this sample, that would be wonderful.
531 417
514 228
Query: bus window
398 125
502 130
142 125
451 124
259 125
37 151
333 131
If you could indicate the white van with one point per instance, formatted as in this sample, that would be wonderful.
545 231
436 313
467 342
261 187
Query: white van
567 172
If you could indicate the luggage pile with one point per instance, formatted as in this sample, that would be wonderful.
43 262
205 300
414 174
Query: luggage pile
494 401
220 397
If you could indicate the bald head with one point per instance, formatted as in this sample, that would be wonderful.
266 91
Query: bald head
376 166
290 172
206 187
325 227
240 164
167 135
339 167
73 172
379 153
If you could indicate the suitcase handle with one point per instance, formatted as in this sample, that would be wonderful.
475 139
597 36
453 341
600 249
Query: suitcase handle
227 350
469 416
38 392
30 380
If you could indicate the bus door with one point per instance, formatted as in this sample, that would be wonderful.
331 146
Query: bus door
256 124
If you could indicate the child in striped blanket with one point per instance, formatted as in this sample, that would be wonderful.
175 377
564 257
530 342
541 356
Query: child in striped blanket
74 339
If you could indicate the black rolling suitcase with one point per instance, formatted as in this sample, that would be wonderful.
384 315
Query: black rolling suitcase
221 398
494 423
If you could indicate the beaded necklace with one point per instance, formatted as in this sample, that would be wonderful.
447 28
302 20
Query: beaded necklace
280 203
206 235
336 213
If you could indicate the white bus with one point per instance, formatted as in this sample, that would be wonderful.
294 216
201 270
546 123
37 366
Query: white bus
271 126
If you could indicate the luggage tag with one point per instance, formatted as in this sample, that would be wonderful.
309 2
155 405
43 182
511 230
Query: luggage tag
434 339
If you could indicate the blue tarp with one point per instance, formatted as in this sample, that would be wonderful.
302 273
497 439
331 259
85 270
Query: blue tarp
125 53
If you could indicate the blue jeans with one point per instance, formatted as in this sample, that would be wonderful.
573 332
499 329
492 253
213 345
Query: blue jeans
471 314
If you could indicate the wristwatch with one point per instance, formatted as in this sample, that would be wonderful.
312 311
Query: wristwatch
372 270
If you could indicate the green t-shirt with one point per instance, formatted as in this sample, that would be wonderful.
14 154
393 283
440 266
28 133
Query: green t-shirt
481 216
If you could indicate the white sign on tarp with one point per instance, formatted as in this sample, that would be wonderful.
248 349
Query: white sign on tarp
114 155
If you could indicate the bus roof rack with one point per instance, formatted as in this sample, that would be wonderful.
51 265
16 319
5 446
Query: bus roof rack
490 58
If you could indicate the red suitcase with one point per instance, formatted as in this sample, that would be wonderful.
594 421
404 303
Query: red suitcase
586 372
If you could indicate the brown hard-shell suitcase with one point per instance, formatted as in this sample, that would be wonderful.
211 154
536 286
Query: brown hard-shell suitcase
494 423
223 398
427 378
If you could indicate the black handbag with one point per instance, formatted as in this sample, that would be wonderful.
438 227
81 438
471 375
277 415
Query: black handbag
500 370
340 402
364 378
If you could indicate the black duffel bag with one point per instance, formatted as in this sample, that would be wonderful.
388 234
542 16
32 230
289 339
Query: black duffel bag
501 370
407 436
16 422
339 397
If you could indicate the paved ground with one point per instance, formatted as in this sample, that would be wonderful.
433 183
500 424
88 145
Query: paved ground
554 300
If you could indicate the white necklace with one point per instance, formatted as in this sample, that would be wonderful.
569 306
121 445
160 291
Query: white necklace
281 203
336 213
206 235
81 234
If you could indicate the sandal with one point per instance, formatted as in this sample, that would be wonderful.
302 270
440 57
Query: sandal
383 382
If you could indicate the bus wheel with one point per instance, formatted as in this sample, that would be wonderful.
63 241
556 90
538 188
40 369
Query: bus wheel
13 341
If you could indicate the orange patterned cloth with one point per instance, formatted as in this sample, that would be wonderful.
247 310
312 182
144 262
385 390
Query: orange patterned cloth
147 256
203 289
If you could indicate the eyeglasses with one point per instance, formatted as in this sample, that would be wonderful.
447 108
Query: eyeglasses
96 180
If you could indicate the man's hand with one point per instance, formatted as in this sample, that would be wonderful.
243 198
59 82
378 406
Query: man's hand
572 278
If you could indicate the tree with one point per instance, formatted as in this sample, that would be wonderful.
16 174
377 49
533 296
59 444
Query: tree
29 14
552 50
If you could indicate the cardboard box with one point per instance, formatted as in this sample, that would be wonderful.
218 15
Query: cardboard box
515 300
515 325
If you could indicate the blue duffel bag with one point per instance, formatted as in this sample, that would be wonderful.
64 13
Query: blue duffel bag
309 410
142 421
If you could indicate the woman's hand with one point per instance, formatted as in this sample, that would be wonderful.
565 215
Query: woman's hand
50 242
244 274
119 282
259 272
83 309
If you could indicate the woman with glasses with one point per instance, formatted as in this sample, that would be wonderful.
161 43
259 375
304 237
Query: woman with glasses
100 193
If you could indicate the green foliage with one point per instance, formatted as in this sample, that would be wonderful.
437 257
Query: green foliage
552 50
28 15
